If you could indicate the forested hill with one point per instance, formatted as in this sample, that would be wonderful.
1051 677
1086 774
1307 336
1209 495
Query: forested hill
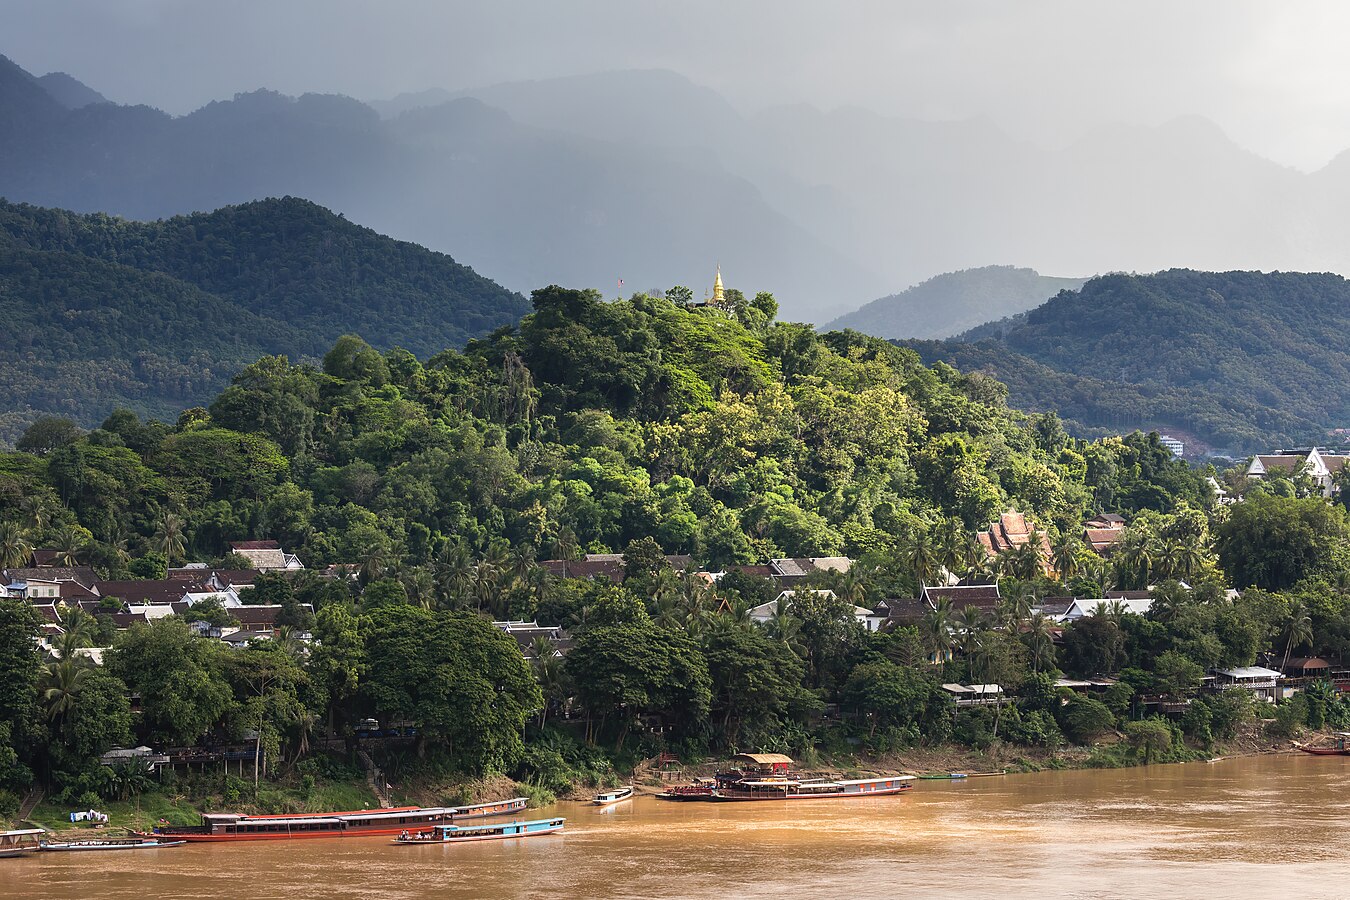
954 302
1241 360
158 315
728 437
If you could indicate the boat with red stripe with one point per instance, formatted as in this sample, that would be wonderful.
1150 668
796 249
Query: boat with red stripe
217 827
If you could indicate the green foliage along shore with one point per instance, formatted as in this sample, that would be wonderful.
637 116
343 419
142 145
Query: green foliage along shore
644 427
156 316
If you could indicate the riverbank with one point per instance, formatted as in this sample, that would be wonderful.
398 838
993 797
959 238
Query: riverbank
338 794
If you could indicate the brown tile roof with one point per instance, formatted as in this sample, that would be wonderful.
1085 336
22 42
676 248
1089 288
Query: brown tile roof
962 594
1289 463
237 577
73 590
83 574
905 610
167 590
126 620
48 612
757 571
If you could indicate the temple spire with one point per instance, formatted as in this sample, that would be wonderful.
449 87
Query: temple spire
719 296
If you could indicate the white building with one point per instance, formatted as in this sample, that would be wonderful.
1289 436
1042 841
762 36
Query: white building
1171 443
1320 466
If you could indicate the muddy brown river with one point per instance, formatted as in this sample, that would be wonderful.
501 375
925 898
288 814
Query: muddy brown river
1263 827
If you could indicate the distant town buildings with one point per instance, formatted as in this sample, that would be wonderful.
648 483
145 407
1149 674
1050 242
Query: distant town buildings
1172 444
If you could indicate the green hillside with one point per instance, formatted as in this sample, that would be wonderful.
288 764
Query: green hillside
1240 360
954 302
158 315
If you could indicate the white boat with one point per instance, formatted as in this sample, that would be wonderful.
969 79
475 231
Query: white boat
128 844
617 795
17 843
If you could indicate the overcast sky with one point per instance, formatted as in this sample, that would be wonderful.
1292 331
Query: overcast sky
1275 76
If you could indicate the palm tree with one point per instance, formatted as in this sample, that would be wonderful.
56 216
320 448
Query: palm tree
15 549
953 545
70 546
1015 607
565 546
169 537
1136 561
936 629
77 630
969 623
1168 599
1040 641
921 557
1064 555
1299 631
60 687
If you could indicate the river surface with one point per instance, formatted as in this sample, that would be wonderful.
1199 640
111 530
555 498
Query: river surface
1261 827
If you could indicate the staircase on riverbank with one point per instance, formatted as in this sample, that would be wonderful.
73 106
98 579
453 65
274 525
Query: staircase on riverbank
29 804
375 778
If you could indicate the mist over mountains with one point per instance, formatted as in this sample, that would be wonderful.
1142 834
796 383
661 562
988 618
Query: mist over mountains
648 177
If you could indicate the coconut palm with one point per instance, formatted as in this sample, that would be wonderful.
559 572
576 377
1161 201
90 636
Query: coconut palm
1168 599
969 623
1064 555
920 556
15 549
60 687
78 629
169 537
71 544
1039 638
1015 607
565 547
1298 631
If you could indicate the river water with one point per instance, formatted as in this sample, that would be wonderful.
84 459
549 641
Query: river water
1261 827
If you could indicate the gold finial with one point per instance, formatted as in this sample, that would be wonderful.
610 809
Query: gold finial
718 294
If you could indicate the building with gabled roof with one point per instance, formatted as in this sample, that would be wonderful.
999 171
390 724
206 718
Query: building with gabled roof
1321 466
1010 531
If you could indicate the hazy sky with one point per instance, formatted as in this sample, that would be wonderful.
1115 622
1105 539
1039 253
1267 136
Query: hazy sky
1275 76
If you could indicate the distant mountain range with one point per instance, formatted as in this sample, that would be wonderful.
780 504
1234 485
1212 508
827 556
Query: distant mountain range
1236 361
949 304
157 316
648 177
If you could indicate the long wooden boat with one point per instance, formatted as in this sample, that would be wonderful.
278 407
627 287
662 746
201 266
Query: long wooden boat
761 788
364 823
699 789
946 776
20 842
455 834
128 844
618 795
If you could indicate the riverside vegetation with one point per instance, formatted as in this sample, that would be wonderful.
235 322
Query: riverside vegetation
647 427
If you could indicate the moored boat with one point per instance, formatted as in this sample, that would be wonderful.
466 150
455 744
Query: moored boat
810 789
698 789
607 798
20 842
769 776
1338 746
114 844
365 823
455 834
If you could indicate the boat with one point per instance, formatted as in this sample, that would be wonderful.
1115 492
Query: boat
364 823
20 842
945 776
1338 746
607 798
752 788
769 776
455 834
698 789
127 844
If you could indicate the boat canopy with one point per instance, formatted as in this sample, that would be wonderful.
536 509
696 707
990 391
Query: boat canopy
23 832
765 759
396 813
